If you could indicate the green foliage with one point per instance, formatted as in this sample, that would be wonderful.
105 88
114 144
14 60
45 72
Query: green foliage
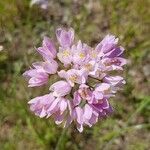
22 28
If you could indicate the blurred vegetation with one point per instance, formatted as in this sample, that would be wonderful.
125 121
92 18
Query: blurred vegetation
22 29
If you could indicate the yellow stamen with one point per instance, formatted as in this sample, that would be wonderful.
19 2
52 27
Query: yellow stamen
94 55
81 55
73 78
66 53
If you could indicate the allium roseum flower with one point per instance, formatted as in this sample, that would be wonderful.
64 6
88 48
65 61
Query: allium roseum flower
85 82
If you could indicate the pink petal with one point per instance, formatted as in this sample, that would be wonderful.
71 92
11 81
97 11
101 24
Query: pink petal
64 37
102 87
50 66
48 44
79 113
43 113
59 118
76 99
60 88
53 105
88 111
63 105
80 127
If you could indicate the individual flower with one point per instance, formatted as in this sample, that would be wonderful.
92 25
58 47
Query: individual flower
60 88
102 90
49 67
84 83
65 56
73 76
116 82
103 108
116 63
65 39
41 104
48 49
80 53
110 53
107 44
57 109
37 77
47 105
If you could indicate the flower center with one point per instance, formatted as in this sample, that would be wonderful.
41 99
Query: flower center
93 54
73 78
84 94
66 53
81 55
89 67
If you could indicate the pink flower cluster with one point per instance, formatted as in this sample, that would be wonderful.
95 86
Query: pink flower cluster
86 82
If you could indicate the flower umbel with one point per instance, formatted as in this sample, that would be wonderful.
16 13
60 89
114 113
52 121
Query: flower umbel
85 81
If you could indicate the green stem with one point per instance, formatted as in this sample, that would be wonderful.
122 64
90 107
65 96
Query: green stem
62 136
90 85
94 78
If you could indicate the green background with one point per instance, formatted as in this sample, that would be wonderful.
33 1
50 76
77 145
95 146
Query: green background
22 28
